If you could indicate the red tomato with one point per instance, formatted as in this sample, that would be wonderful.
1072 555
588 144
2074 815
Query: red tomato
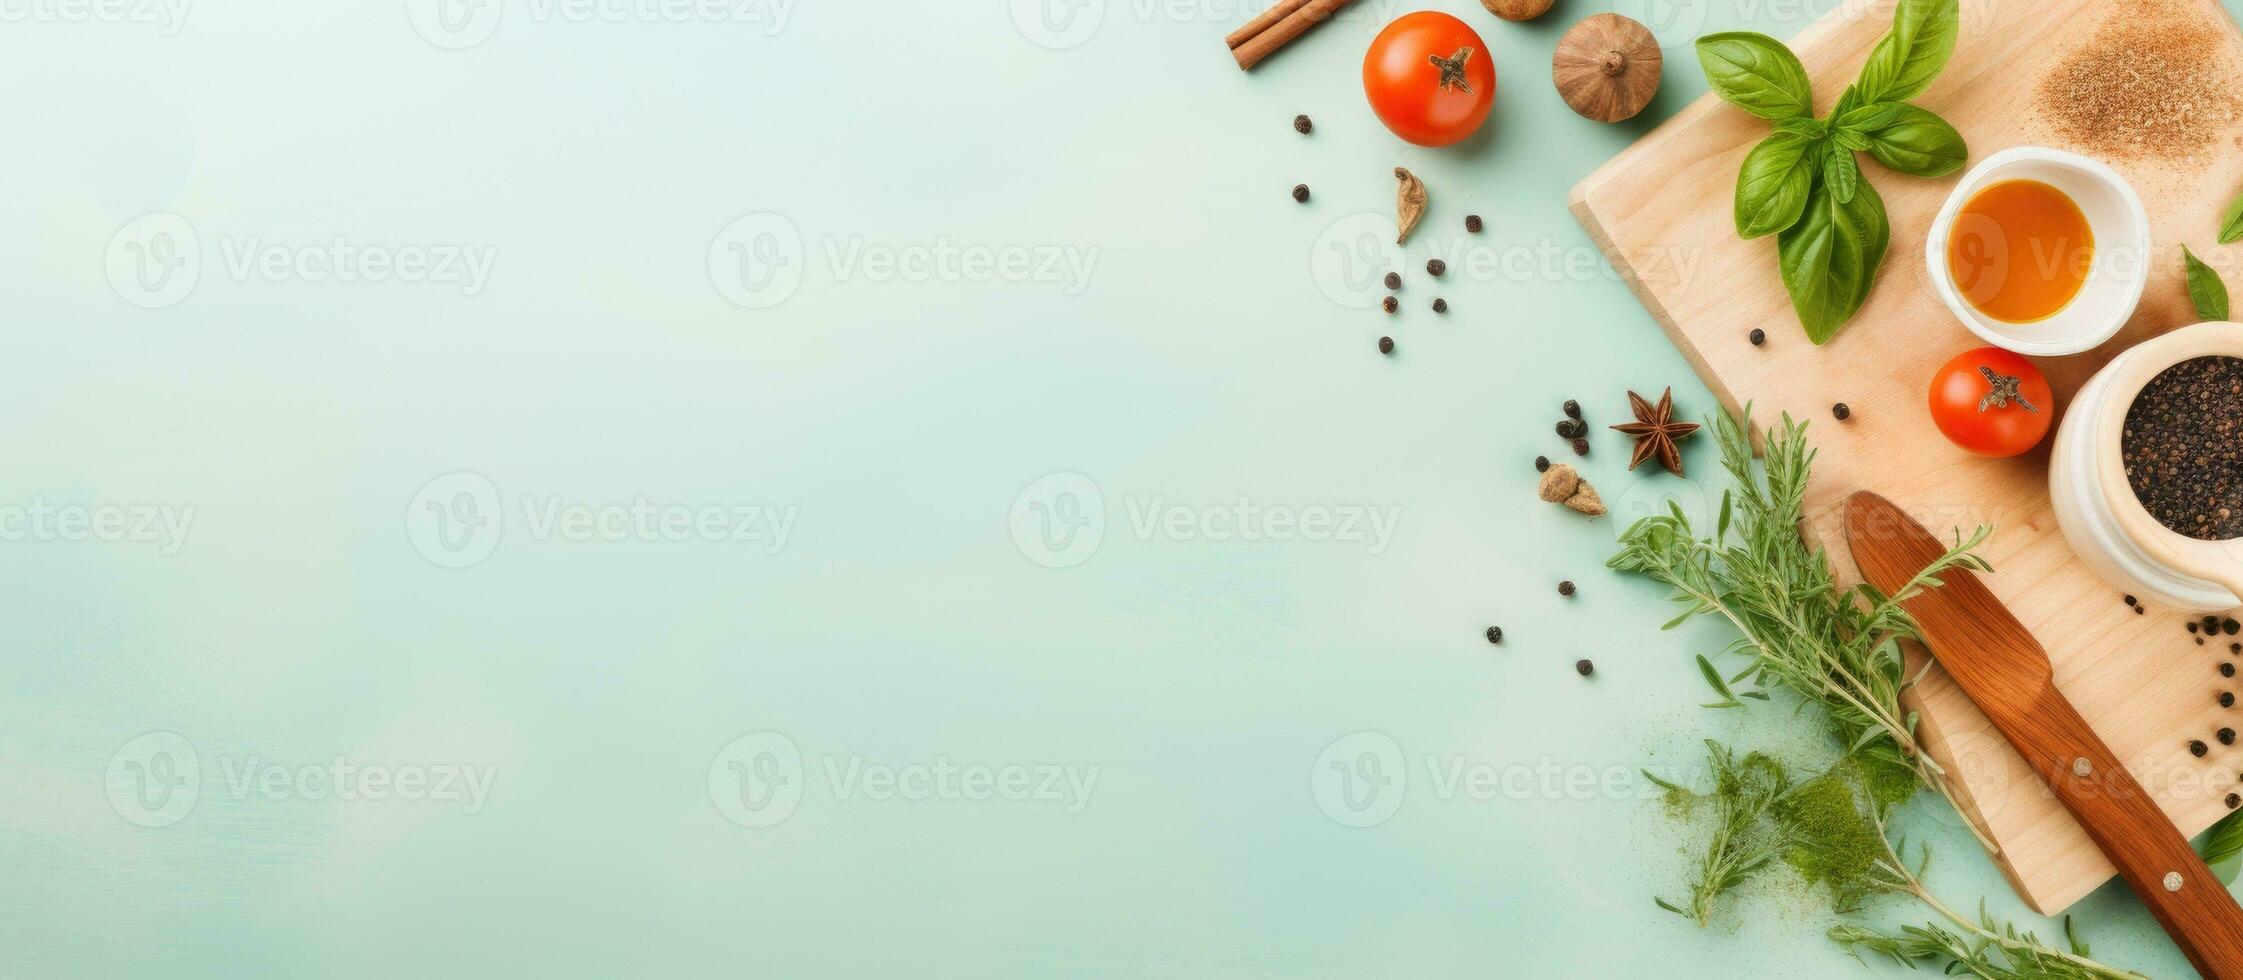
1992 402
1429 78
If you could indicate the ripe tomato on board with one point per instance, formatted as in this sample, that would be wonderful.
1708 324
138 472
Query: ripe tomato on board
1429 78
1992 402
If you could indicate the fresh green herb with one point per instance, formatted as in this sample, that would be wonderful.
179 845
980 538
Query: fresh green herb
2231 221
1839 648
1744 838
2205 288
2223 846
1803 181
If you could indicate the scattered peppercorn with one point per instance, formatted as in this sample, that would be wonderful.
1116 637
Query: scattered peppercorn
1440 305
1386 345
2235 648
1580 447
2227 699
1584 667
2226 736
2211 625
2199 641
2192 627
1301 125
1472 223
2198 748
1757 336
1434 267
2227 670
1566 587
1390 304
1572 409
1393 280
1495 634
1541 464
1572 428
2130 601
1300 193
1841 411
2230 626
2234 801
2138 610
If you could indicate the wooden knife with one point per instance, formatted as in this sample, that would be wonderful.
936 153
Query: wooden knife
2006 673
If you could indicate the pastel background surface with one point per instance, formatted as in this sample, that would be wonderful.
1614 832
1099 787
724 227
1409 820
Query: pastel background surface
1176 333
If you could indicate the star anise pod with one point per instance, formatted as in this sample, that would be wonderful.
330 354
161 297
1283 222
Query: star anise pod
1657 433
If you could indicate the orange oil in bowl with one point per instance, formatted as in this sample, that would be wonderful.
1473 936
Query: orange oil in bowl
2019 250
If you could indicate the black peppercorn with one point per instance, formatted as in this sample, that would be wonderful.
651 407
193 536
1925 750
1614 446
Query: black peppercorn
1757 336
2226 736
2227 699
2199 641
2198 748
1386 345
1584 667
1580 447
2139 610
2234 800
2227 670
2130 600
2230 626
1541 464
1440 305
1572 409
1393 280
2235 648
2192 627
1566 587
1301 125
1572 429
1495 634
1434 267
2211 624
1472 223
1390 304
1300 193
1841 411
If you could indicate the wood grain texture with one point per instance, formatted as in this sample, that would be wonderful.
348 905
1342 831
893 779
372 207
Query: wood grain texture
2005 672
1661 213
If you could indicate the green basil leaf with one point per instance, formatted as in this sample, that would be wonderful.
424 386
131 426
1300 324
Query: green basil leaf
1806 126
1847 100
2222 845
1911 55
1840 172
1756 73
1829 259
1772 184
1851 140
1866 119
2231 221
1914 141
2205 288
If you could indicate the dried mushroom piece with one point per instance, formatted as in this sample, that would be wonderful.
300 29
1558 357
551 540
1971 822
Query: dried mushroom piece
1409 204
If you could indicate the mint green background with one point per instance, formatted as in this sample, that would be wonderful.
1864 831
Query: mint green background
900 624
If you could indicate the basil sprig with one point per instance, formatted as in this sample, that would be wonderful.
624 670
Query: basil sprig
1804 184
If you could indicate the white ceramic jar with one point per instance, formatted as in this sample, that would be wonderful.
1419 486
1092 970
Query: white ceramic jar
2106 524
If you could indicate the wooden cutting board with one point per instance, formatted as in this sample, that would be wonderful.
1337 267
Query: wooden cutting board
2141 680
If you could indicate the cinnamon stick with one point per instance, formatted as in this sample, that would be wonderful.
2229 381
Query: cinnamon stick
1278 26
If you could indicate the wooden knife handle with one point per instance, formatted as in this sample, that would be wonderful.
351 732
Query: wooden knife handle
2195 909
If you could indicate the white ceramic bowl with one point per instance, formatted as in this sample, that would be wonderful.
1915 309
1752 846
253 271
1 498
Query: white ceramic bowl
2114 280
2105 523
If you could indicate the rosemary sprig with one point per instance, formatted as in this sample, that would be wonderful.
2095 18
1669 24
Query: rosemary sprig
1839 648
1744 838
